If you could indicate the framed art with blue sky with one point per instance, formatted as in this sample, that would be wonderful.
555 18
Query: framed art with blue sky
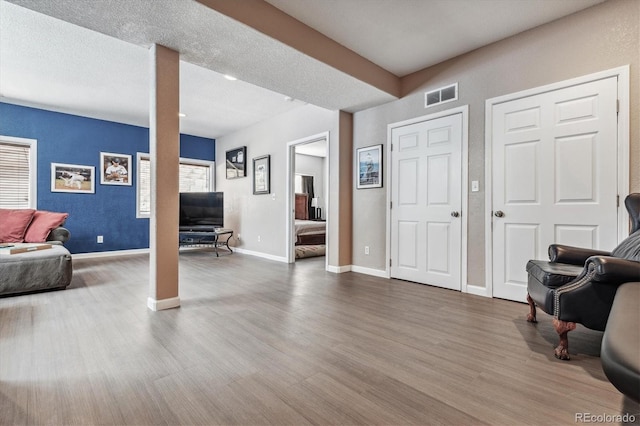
369 166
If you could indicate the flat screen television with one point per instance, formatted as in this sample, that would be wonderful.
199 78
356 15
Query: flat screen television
201 211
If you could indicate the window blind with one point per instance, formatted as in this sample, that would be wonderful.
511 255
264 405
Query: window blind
144 186
14 176
192 178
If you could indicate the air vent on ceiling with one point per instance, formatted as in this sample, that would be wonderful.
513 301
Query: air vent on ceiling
441 95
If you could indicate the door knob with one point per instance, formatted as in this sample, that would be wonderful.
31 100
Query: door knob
499 213
455 214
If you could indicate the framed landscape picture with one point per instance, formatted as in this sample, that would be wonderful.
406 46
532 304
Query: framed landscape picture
236 162
369 166
262 175
72 178
115 169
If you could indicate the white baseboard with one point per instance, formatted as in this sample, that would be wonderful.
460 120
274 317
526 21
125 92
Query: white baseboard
259 254
339 269
160 305
477 290
146 251
110 253
370 271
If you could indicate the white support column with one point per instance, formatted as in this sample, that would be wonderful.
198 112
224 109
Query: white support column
164 152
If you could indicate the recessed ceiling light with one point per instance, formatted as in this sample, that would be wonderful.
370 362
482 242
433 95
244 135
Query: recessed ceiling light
230 77
182 114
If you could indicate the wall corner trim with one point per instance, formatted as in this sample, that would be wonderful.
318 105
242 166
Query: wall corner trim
478 291
109 253
259 254
160 305
339 269
370 271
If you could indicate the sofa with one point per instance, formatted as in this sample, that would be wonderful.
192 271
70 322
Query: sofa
35 270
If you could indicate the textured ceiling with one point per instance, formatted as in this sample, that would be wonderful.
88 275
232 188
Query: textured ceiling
46 62
404 36
91 57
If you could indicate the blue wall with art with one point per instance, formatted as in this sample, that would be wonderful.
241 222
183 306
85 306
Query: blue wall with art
71 139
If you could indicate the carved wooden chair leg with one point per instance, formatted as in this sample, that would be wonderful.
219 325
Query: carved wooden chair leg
531 316
562 328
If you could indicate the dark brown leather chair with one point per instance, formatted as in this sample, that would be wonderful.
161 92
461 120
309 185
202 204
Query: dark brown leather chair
578 285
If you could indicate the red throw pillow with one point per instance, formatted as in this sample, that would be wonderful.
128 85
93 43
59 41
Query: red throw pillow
13 224
42 224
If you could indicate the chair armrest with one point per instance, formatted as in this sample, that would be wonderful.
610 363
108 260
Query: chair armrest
614 270
59 234
573 255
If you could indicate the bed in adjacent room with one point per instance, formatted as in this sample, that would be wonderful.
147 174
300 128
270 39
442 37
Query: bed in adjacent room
310 232
310 235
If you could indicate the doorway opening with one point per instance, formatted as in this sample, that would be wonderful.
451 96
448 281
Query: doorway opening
308 196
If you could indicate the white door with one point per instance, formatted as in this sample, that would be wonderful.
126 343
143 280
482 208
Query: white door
426 178
554 174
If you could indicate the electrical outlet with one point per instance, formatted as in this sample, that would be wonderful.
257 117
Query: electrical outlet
259 239
475 186
100 239
238 237
366 250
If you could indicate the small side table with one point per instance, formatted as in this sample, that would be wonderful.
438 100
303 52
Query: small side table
212 239
221 232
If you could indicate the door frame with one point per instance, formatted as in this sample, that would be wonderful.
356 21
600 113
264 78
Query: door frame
290 185
464 110
622 73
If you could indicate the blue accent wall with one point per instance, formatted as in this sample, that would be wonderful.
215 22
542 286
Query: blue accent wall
71 139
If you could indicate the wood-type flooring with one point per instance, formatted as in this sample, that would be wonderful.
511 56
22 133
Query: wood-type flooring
257 342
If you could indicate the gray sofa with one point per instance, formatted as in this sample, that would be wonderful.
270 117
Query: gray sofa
37 270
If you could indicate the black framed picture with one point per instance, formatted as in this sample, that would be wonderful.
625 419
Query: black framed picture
237 163
262 175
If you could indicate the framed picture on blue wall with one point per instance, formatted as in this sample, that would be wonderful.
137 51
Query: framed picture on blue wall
115 169
72 178
369 167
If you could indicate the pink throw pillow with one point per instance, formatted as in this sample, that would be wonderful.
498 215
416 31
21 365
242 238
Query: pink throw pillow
42 224
13 224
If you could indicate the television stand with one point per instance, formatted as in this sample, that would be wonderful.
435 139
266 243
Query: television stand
213 238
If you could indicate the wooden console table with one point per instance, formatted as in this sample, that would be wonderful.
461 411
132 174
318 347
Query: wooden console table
212 239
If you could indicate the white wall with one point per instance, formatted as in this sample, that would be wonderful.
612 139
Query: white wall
599 38
311 165
251 215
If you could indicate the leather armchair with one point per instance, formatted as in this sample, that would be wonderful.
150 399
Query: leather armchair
578 285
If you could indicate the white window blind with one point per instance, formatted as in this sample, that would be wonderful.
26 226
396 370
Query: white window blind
194 176
144 187
15 174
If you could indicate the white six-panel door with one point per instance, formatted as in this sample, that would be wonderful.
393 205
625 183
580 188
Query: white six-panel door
426 217
554 174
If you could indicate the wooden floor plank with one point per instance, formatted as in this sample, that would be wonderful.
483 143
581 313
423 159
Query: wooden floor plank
260 342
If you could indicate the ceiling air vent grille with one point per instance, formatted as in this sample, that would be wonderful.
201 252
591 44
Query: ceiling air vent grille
441 95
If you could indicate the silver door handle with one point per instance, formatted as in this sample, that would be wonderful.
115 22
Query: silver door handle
499 213
455 214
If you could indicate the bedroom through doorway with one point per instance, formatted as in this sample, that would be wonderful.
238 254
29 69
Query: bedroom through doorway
309 177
